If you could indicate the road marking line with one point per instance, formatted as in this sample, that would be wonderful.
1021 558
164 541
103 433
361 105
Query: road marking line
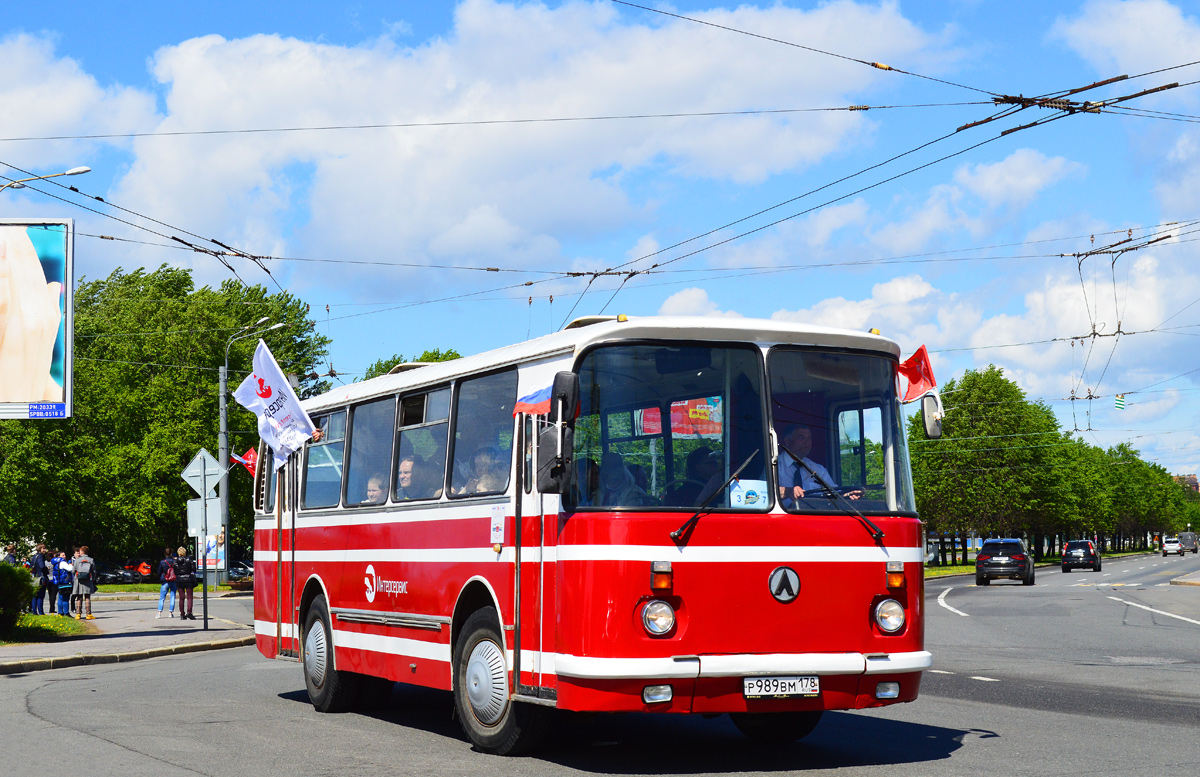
1151 609
986 679
940 671
1106 574
942 601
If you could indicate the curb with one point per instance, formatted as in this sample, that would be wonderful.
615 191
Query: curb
62 662
1184 580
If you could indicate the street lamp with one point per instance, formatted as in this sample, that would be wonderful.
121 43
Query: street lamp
223 436
21 183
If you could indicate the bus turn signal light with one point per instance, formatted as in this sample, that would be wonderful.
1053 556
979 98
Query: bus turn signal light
660 575
895 574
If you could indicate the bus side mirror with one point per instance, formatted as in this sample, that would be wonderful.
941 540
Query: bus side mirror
564 398
556 443
931 414
555 473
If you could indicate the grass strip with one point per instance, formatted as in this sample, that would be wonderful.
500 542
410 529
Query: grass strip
45 628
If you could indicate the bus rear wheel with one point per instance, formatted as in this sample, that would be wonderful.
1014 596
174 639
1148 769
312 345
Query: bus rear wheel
493 722
776 727
329 690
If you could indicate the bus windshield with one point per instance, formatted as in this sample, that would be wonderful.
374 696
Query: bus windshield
663 427
838 413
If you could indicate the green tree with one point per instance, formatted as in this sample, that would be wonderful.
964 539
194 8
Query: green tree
382 366
147 349
986 474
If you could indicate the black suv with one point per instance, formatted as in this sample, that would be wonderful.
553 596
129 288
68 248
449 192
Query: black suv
1006 559
1080 553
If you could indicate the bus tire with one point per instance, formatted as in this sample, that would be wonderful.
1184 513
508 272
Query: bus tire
491 720
329 690
779 727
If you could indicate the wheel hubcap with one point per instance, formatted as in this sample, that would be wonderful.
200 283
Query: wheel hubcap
315 654
486 685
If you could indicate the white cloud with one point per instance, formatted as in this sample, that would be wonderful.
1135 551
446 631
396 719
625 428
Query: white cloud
421 193
47 95
693 302
971 203
1015 180
1131 37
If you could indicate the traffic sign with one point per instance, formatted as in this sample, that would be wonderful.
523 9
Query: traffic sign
195 515
202 473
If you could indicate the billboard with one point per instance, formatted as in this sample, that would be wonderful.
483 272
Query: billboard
36 296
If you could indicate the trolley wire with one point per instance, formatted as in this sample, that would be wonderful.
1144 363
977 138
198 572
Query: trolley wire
876 65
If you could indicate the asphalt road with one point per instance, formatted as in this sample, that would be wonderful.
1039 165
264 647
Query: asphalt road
1049 679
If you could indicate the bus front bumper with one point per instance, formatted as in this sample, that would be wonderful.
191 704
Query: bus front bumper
714 683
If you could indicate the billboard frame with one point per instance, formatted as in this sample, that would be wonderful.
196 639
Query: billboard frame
52 410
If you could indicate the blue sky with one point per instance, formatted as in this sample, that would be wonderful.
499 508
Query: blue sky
962 255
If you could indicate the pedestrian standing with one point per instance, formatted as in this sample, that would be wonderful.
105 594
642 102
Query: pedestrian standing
64 581
75 598
185 581
51 588
10 555
41 582
85 584
169 579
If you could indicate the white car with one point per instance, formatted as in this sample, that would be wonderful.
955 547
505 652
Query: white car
1171 545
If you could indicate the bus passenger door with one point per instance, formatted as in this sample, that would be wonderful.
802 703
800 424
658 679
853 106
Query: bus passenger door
285 610
536 586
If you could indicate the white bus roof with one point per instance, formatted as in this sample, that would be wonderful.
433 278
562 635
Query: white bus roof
570 341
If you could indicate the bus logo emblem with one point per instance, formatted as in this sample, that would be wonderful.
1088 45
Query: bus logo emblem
370 579
784 584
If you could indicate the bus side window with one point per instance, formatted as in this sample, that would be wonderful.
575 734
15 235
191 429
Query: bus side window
483 435
420 471
323 463
370 458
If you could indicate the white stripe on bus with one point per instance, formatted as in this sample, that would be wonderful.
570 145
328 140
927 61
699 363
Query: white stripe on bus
700 554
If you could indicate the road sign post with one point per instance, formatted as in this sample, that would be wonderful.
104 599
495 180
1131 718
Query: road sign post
203 473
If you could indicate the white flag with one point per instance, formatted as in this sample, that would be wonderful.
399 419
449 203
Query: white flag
282 423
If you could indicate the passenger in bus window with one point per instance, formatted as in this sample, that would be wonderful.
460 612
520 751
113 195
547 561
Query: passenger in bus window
405 472
795 480
702 464
376 490
489 472
617 487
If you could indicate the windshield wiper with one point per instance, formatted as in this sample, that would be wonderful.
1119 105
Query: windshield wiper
682 530
876 532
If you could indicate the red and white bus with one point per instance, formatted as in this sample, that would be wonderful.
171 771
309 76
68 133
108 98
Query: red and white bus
608 518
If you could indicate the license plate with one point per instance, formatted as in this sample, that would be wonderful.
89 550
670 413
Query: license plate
1002 558
780 687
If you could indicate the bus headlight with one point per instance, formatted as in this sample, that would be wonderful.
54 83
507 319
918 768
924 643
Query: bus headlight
658 617
889 614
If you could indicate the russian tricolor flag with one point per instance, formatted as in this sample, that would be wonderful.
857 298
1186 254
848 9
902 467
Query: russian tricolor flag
537 403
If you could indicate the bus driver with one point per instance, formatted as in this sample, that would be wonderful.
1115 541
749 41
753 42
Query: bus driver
795 479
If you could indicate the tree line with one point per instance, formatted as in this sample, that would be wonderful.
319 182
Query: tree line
1004 467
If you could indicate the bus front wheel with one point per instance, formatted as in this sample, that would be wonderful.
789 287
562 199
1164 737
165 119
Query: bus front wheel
329 690
493 722
776 726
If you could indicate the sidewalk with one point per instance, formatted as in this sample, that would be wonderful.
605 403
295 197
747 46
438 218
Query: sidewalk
1192 578
127 631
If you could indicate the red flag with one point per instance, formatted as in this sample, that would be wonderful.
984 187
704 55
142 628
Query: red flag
249 460
919 372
